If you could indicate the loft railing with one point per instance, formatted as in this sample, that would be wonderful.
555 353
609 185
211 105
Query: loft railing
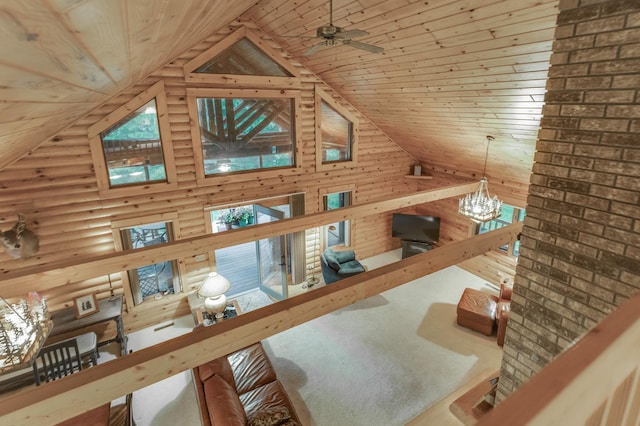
594 382
94 386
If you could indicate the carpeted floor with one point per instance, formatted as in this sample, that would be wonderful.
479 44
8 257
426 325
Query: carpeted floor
386 359
381 361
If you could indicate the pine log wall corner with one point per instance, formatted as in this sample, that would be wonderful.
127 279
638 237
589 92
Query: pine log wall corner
55 187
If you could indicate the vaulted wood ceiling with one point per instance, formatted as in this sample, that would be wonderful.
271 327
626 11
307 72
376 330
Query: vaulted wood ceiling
451 73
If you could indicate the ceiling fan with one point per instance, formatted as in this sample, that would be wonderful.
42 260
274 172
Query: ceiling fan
332 36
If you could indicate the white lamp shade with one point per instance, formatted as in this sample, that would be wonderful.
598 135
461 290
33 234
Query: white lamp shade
214 286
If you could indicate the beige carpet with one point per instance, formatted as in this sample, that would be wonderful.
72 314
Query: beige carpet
381 361
384 360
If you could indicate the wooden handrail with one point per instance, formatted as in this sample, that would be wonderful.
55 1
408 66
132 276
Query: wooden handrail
59 400
596 381
15 281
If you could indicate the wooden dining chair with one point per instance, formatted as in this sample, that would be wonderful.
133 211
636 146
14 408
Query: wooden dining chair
56 361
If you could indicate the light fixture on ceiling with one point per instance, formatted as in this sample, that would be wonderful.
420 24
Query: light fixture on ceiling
480 206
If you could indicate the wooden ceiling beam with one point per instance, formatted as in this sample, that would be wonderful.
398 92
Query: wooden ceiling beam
60 273
94 386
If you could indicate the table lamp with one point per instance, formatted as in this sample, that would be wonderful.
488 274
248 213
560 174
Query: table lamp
213 290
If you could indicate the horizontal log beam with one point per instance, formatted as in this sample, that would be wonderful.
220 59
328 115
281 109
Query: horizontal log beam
73 395
14 282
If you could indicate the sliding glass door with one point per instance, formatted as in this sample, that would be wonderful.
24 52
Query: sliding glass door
272 262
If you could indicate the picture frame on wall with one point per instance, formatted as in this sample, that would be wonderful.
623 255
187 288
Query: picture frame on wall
86 305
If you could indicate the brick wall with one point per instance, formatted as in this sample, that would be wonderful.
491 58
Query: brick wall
580 252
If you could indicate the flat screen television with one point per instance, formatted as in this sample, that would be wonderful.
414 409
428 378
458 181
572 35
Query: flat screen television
425 229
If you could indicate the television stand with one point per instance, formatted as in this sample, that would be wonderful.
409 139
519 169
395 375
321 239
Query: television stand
411 248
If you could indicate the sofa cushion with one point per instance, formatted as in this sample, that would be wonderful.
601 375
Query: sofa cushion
220 367
271 417
251 368
343 256
268 397
223 403
331 259
351 267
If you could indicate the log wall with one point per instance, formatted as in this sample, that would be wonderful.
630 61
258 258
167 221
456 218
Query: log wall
55 187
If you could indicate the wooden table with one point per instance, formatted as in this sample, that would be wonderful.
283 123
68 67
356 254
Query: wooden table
110 310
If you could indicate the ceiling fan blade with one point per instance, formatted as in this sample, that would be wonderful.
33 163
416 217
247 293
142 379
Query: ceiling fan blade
297 36
364 46
313 49
351 34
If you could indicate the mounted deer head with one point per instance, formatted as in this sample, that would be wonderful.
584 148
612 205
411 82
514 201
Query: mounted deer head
19 242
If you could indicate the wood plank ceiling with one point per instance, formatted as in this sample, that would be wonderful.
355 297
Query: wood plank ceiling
451 73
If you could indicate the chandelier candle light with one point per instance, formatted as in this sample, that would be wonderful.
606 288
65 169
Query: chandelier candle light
480 206
213 290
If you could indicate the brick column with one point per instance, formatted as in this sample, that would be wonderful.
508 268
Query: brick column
580 246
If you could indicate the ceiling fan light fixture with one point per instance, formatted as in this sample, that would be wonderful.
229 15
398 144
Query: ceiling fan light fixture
480 206
330 34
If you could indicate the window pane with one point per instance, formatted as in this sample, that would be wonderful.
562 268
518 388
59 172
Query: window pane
337 232
507 216
133 148
151 280
336 135
246 134
243 58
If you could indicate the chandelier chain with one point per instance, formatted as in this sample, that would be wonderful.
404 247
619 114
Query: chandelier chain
486 156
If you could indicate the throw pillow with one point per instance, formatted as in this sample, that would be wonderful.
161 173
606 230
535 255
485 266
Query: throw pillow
345 256
271 417
331 259
351 267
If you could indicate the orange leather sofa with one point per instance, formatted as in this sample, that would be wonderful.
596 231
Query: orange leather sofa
242 388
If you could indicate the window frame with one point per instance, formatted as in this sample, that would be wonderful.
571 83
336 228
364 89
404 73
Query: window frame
320 96
94 132
508 249
245 175
235 80
350 223
118 224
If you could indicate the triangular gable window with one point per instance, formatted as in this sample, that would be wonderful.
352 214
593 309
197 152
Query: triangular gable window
242 60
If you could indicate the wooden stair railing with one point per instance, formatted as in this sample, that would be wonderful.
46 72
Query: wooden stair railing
594 382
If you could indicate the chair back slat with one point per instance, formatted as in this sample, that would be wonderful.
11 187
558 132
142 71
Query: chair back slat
57 360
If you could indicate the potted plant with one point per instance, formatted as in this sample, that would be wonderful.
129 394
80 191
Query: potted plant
227 218
244 215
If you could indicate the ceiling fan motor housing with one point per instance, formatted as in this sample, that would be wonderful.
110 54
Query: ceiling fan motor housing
328 31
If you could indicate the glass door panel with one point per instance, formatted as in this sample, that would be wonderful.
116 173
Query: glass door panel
271 256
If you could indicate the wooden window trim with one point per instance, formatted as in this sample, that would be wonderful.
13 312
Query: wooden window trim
332 190
235 80
229 178
117 224
322 95
156 91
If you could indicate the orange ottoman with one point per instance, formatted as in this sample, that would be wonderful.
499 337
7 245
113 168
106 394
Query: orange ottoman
477 311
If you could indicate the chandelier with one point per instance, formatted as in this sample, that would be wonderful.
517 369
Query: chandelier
480 206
